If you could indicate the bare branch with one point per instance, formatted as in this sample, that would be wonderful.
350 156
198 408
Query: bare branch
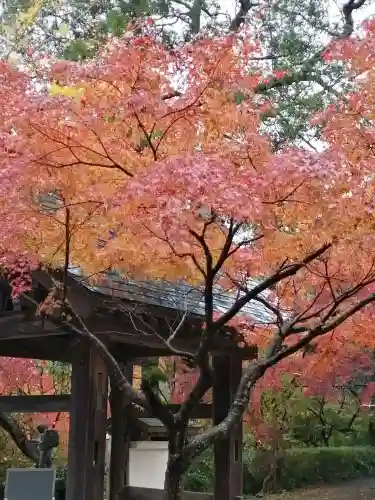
287 197
306 73
281 273
87 336
180 255
347 11
256 370
12 427
159 409
202 385
78 161
275 310
225 252
239 18
166 341
147 136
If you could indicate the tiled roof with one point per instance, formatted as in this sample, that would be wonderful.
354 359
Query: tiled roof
178 296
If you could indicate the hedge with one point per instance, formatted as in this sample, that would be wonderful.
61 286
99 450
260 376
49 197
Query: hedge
308 466
301 467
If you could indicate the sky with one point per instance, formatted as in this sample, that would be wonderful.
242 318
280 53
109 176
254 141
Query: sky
334 7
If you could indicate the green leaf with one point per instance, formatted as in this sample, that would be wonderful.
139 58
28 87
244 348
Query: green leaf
157 134
79 50
116 22
63 30
239 97
154 375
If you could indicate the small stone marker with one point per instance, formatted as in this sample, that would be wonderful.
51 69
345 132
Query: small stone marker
30 484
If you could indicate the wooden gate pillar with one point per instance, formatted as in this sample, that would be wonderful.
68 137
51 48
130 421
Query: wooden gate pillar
87 428
228 452
119 439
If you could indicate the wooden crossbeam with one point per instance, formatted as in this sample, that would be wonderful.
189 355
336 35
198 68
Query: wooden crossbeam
203 411
56 403
35 404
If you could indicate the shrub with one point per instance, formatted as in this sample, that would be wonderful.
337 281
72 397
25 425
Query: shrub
307 466
200 475
301 467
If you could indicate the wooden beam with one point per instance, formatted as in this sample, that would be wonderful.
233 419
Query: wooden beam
15 326
80 297
55 348
55 403
203 411
35 404
123 329
139 352
119 332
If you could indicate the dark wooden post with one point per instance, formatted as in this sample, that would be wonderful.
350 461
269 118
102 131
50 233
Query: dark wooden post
227 452
119 439
88 425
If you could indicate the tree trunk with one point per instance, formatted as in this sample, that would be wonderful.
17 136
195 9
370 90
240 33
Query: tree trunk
325 438
371 433
175 467
173 486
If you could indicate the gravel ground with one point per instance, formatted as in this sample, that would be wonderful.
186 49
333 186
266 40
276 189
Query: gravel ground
360 489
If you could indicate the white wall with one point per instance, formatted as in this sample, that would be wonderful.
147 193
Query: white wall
147 464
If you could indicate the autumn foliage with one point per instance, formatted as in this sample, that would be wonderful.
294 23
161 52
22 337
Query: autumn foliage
151 162
136 167
30 377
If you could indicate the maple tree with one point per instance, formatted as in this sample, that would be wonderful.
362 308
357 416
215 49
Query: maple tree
298 391
307 379
18 375
303 400
27 376
146 161
292 34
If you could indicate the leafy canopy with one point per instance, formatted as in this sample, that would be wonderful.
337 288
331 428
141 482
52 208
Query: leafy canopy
145 161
